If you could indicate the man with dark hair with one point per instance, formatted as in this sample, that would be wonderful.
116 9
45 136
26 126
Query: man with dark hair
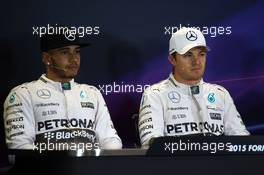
56 109
184 104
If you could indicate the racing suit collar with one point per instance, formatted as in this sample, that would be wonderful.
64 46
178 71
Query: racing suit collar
184 88
54 84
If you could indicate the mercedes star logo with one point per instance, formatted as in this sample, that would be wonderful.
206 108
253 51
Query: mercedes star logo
43 93
69 35
174 96
191 36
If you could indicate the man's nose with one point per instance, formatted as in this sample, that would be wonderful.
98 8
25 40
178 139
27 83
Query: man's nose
196 59
74 56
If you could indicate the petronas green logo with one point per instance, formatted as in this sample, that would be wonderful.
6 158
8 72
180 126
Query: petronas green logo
83 95
12 98
66 86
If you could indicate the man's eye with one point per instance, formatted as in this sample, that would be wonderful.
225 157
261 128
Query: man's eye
78 51
64 52
203 54
187 55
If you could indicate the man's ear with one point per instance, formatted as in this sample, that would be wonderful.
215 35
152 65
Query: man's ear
172 60
46 59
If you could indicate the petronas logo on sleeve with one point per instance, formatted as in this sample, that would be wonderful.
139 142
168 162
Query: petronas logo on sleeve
211 97
83 95
12 98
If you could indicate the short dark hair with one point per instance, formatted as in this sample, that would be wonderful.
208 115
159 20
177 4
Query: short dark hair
174 54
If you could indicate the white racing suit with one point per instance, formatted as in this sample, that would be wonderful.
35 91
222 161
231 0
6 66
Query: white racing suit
46 110
170 108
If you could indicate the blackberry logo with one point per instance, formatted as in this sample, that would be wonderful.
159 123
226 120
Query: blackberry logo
48 135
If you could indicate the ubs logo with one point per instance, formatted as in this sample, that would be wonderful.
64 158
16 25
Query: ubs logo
43 93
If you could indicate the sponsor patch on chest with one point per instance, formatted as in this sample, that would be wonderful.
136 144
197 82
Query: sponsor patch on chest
87 105
215 116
